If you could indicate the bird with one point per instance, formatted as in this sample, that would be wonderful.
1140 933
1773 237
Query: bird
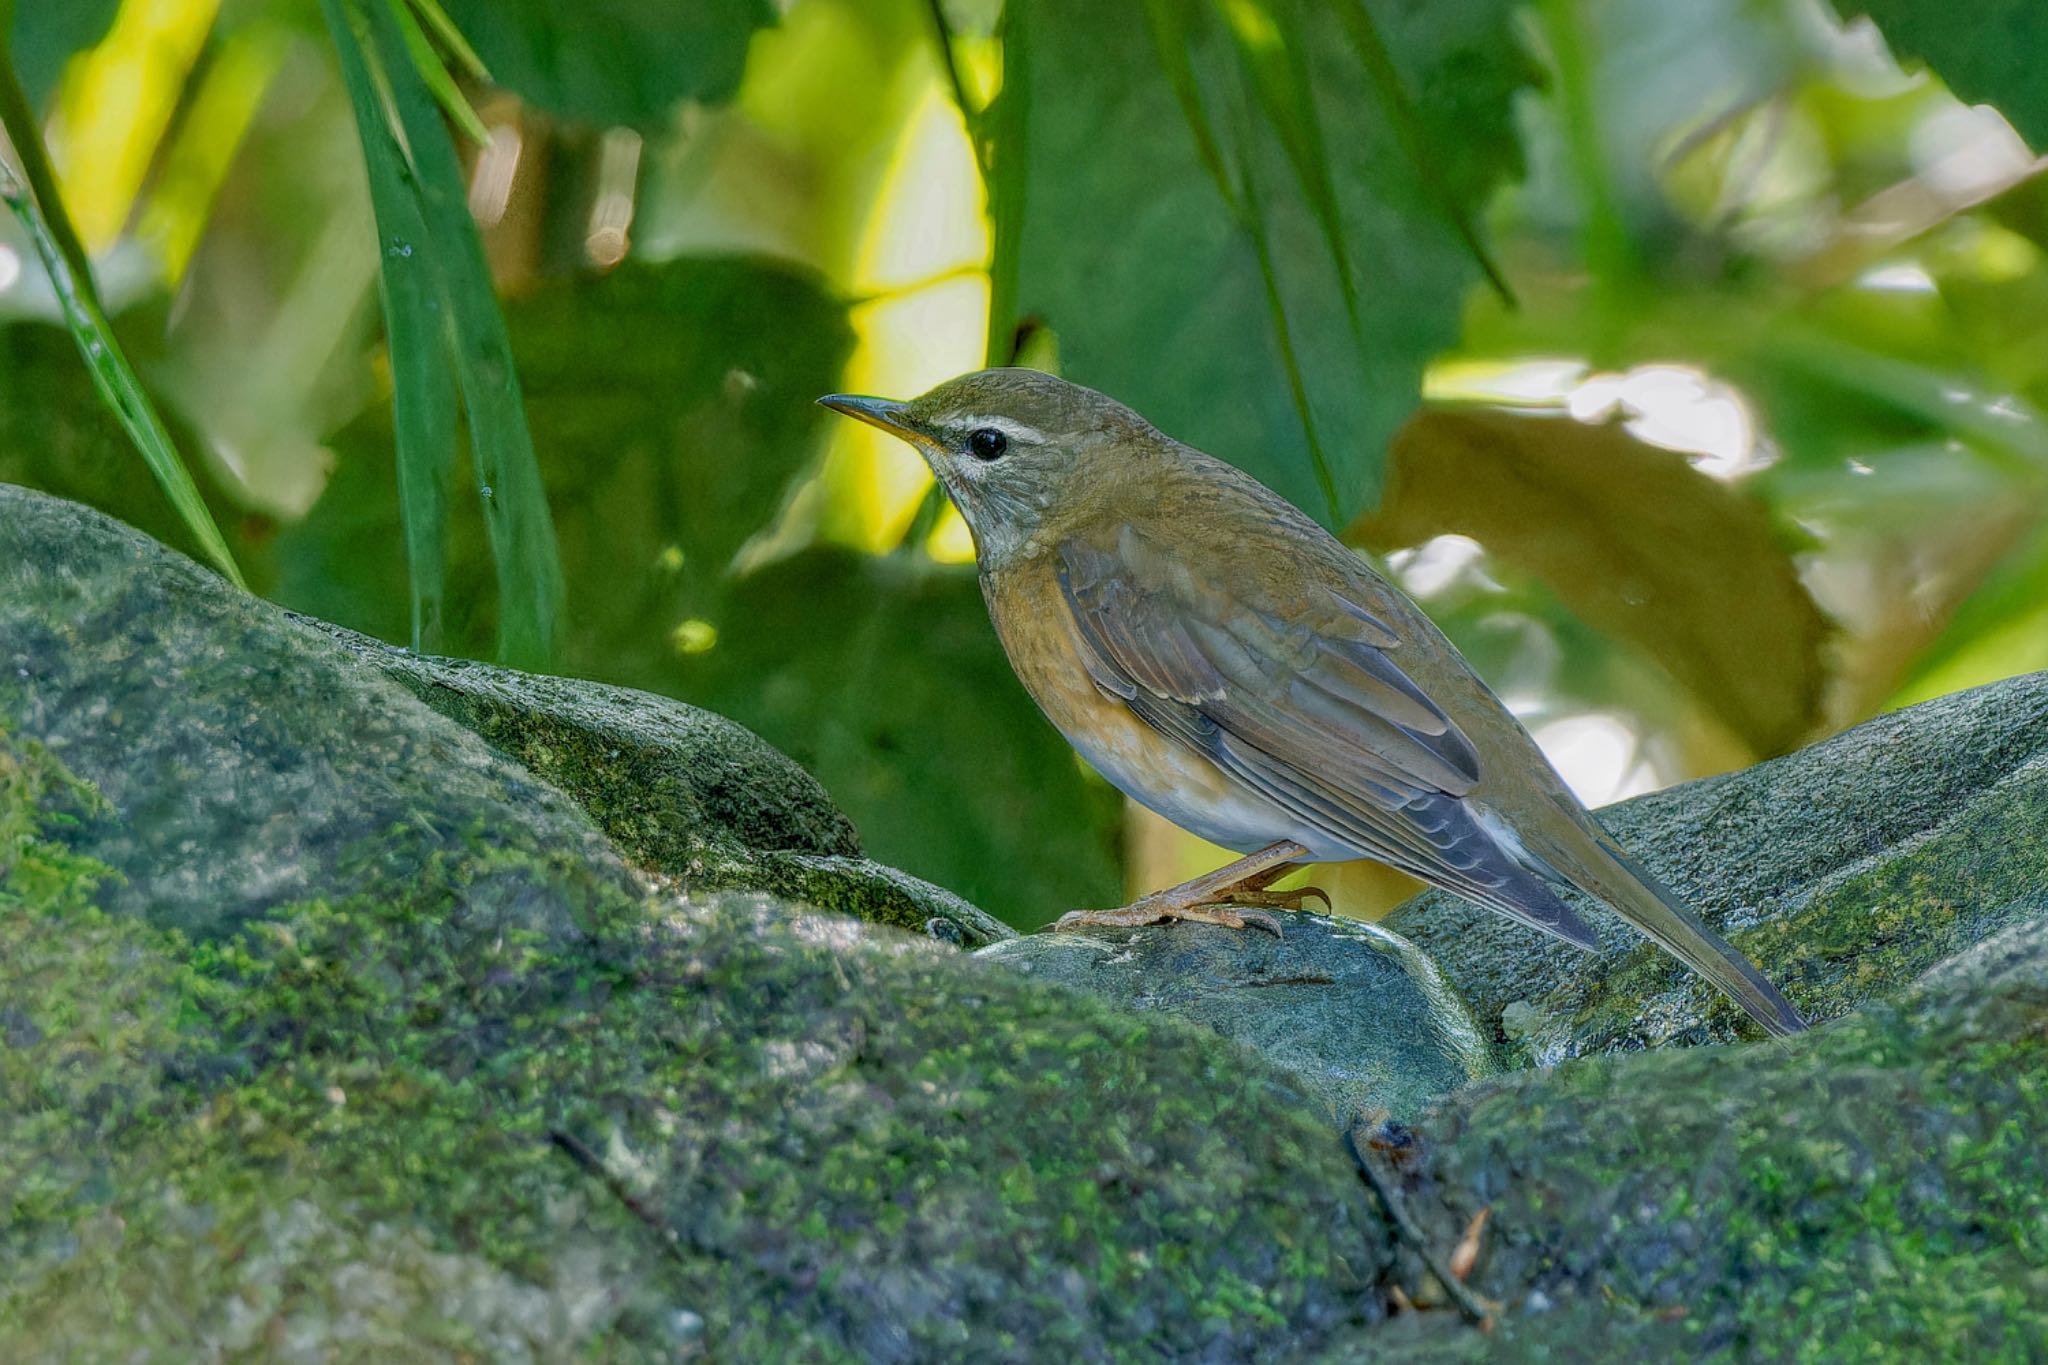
1228 663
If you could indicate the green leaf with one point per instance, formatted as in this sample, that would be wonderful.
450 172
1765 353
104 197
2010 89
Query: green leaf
614 61
427 63
884 679
692 385
47 34
515 505
416 328
1169 295
1634 541
671 426
119 387
451 37
1269 40
1986 51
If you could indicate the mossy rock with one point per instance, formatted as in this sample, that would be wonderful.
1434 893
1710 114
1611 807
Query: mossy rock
684 794
1875 1190
332 1031
1364 1021
244 760
432 1120
1844 871
661 778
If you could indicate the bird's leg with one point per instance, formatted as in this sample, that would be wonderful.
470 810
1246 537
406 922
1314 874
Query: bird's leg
1206 898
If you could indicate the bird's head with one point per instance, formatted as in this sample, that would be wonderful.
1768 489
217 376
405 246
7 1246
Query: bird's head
1012 448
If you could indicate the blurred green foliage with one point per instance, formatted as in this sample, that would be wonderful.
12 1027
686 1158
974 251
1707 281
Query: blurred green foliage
689 426
1736 331
1638 545
43 36
613 61
1986 50
1224 270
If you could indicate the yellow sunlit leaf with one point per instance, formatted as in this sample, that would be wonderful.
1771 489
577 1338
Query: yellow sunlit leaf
926 224
115 105
208 137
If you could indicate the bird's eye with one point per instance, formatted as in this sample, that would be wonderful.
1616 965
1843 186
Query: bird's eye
986 443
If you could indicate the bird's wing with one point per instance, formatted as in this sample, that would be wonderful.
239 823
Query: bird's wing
1306 705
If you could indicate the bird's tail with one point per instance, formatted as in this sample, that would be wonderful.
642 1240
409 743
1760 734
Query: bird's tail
1596 864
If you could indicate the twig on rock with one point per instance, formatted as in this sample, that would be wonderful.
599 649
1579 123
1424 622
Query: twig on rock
1475 1309
579 1152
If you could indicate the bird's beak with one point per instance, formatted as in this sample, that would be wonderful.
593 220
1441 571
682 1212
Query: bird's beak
886 413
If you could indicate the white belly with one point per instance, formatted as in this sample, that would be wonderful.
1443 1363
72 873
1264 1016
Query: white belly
1205 801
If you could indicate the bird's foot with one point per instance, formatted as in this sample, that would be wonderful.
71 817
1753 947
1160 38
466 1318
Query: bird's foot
1280 900
1158 910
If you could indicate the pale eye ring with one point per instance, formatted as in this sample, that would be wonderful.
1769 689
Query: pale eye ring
986 443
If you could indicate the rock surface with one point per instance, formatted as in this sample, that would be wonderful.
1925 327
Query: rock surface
330 1029
1844 871
681 792
243 764
1362 1019
1874 1190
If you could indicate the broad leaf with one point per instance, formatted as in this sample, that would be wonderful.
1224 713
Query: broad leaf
1633 540
671 424
613 61
1986 51
1159 204
49 33
668 424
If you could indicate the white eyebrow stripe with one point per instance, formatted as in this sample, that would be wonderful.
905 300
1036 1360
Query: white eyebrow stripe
1011 428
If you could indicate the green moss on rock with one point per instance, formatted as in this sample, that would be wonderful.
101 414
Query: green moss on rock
684 794
332 1031
657 776
244 759
1874 1190
769 1123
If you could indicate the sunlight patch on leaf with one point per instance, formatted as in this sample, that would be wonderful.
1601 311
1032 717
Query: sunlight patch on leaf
1633 540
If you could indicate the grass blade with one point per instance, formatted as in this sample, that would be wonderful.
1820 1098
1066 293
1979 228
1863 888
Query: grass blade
416 332
427 63
1608 246
451 38
117 382
514 501
19 122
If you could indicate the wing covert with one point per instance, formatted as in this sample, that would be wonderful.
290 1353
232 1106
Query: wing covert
1308 709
